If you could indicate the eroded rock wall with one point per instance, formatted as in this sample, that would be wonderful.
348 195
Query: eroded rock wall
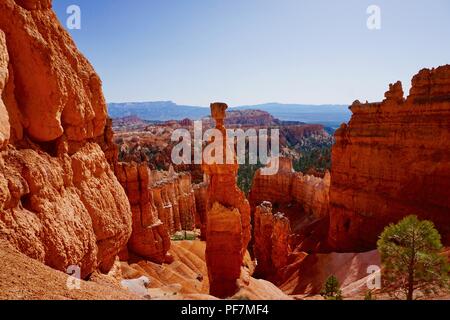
60 202
149 238
175 200
201 199
271 242
57 94
294 192
393 160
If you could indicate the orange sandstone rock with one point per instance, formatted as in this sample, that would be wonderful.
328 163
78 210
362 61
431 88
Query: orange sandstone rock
271 242
174 199
4 118
393 160
303 198
149 238
201 199
63 211
60 202
55 86
227 219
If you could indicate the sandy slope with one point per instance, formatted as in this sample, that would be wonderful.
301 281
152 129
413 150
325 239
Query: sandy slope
22 278
187 276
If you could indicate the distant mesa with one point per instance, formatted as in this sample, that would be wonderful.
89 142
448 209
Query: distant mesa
328 115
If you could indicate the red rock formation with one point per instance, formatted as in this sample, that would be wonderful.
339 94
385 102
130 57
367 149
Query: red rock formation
58 92
150 238
245 117
162 203
175 200
393 160
5 128
63 211
301 197
201 199
60 202
271 245
228 219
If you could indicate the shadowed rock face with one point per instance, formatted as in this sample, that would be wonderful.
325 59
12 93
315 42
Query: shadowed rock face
60 202
271 242
393 160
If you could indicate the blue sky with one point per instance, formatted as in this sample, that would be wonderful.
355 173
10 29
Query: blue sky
257 51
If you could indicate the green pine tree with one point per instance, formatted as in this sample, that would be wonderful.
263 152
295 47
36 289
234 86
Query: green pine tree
411 253
331 290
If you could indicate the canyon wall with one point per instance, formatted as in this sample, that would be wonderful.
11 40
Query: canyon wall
393 160
162 203
201 199
149 238
174 199
303 198
271 242
60 202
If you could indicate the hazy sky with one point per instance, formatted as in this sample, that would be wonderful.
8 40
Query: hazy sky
256 51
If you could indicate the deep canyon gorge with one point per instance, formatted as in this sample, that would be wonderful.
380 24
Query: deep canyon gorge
72 195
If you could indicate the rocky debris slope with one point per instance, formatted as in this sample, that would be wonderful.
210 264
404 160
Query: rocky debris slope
227 218
306 274
23 278
60 202
271 242
185 278
393 160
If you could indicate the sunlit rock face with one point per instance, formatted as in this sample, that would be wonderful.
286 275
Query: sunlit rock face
60 202
393 160
227 220
201 199
174 199
149 238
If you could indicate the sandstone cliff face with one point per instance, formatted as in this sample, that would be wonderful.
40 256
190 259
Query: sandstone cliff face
60 202
63 211
271 242
393 160
299 196
149 238
228 229
55 93
4 118
175 200
201 199
163 203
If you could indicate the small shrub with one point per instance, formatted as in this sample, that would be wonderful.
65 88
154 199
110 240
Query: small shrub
331 290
